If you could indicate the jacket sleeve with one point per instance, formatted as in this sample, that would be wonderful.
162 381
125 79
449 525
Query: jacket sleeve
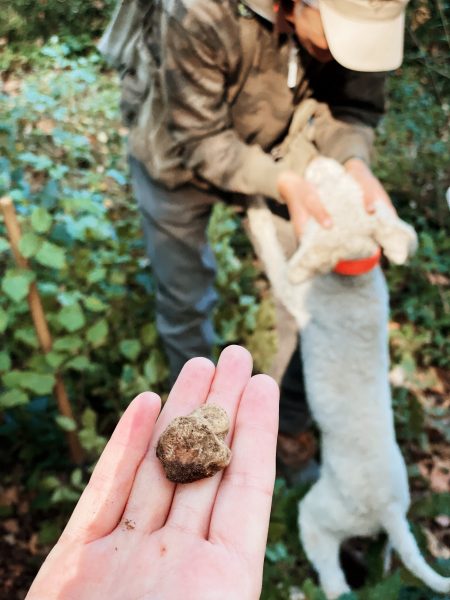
356 103
195 72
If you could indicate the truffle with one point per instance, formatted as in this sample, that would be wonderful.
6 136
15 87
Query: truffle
193 447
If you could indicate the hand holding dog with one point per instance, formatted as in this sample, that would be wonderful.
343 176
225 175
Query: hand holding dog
303 202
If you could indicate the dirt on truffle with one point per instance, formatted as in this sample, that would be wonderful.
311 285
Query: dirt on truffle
193 447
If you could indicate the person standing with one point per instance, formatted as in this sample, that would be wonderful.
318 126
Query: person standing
209 90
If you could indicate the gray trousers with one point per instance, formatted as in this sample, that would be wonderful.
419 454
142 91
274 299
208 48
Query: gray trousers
175 224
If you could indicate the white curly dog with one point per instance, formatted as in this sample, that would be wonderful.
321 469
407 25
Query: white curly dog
363 485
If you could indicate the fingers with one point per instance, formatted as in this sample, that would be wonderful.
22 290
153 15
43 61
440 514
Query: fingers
373 191
240 517
103 501
192 504
302 201
151 496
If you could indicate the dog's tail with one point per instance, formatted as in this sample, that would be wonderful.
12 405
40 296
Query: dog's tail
403 541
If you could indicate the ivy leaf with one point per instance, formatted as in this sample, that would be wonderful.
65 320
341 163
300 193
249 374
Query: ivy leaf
71 317
13 398
5 361
28 336
3 320
66 423
97 334
155 368
36 382
4 244
96 275
12 379
41 220
52 256
16 283
117 176
94 304
80 363
130 349
54 359
68 343
149 334
29 244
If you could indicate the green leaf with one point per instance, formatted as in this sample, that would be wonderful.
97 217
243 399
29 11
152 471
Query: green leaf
388 589
96 275
51 255
41 220
66 423
12 379
3 320
4 244
29 244
5 361
27 335
49 531
76 478
54 359
89 419
16 283
432 505
71 317
13 398
130 349
36 382
80 363
68 343
94 304
97 334
149 334
155 368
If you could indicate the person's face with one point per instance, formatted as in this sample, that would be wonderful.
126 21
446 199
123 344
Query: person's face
309 29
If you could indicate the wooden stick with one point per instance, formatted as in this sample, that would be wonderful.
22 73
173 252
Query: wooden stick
40 323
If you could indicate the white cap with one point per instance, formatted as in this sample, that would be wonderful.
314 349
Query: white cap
365 35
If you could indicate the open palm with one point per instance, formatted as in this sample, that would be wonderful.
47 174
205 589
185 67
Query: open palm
135 535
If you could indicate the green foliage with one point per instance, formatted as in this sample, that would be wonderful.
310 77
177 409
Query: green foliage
63 165
30 19
82 238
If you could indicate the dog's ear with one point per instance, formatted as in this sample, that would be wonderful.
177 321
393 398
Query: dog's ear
397 238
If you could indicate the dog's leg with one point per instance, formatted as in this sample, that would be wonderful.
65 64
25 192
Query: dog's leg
396 525
387 558
322 549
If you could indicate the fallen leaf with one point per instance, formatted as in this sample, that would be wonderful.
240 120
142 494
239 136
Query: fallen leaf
12 86
436 548
11 525
9 496
102 137
438 279
442 521
46 126
33 544
440 476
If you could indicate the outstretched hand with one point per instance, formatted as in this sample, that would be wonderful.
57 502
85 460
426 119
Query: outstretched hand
372 188
135 535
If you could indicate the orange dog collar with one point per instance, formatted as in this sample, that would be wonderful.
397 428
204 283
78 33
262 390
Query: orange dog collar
358 266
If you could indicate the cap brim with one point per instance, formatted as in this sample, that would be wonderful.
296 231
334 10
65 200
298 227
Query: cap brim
362 45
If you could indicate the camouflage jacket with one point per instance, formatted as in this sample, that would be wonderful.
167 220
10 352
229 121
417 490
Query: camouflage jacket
210 98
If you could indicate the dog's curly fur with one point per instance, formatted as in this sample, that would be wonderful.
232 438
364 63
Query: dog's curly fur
363 485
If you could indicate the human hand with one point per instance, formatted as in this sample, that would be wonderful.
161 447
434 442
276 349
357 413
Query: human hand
302 200
373 190
135 535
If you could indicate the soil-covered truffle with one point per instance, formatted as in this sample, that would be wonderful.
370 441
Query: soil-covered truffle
193 447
